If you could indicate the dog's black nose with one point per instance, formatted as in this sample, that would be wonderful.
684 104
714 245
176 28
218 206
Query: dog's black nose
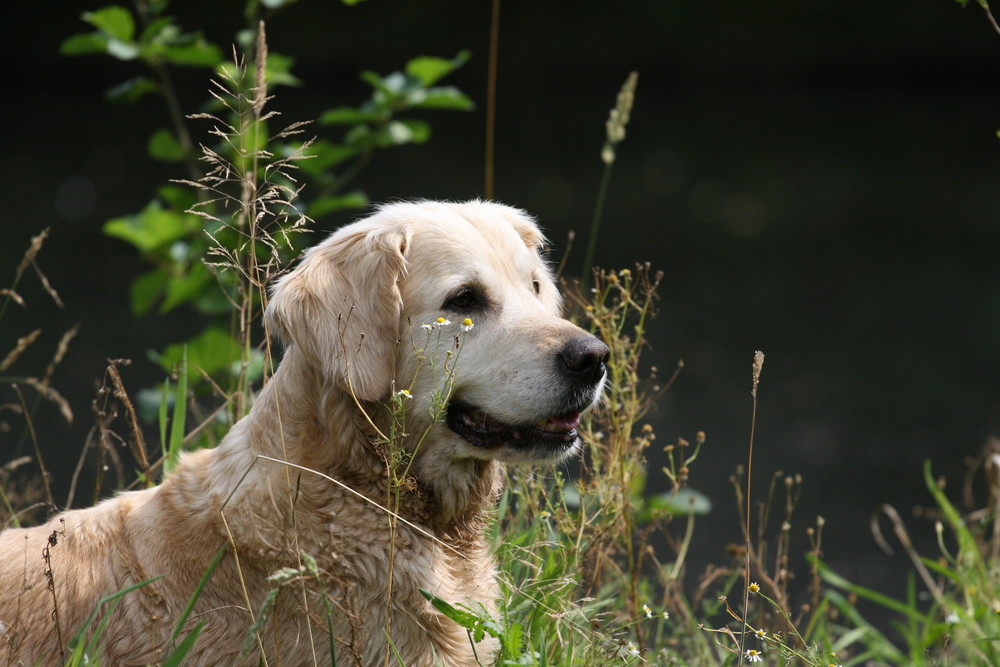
584 359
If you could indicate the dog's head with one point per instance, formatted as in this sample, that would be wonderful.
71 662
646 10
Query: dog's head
386 303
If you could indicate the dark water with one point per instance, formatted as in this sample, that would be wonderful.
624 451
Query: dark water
815 182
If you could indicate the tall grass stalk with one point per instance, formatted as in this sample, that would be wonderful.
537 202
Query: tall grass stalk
617 121
758 365
491 99
249 205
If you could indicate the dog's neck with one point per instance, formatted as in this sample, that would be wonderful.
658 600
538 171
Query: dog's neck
310 430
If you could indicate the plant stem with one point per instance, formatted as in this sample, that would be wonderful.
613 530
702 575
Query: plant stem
595 225
491 97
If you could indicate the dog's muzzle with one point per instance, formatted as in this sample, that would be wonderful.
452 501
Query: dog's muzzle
580 365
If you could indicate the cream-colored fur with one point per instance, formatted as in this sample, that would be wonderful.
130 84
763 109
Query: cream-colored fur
350 317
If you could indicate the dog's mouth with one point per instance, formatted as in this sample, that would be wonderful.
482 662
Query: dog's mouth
558 432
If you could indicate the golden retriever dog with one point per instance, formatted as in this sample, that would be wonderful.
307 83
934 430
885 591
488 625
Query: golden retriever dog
328 510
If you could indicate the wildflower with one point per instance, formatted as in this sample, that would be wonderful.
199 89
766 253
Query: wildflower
427 327
442 322
951 619
647 611
544 514
754 587
760 634
632 649
467 324
404 393
665 615
753 655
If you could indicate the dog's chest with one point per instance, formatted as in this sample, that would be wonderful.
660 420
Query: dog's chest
370 587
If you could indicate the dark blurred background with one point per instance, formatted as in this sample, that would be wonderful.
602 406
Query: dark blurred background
817 181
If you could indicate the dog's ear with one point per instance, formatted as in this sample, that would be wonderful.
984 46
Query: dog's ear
341 307
525 226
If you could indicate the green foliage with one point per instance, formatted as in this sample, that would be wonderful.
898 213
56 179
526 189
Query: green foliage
172 448
207 247
376 124
160 41
956 620
478 623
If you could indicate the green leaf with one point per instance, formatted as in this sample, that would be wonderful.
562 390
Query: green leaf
360 138
107 605
466 619
79 45
146 290
324 155
194 53
429 70
374 80
160 29
114 21
186 287
443 97
144 400
122 50
685 501
131 90
179 654
513 642
179 418
400 132
279 70
324 205
836 580
351 3
99 43
348 116
189 607
163 146
211 350
177 197
149 230
969 552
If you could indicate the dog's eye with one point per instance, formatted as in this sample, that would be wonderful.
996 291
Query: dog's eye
463 300
537 285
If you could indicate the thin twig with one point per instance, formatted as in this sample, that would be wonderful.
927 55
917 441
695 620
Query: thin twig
34 441
491 98
136 442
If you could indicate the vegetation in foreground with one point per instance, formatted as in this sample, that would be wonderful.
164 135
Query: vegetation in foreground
593 560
